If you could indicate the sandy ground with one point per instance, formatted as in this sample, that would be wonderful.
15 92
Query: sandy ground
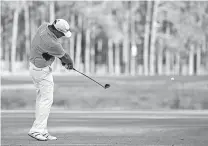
110 128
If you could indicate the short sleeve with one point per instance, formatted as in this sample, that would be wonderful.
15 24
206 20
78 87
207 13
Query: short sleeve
57 51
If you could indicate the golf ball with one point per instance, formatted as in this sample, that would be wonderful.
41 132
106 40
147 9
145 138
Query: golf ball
172 78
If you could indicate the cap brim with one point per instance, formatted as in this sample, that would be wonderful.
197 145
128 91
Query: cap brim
68 34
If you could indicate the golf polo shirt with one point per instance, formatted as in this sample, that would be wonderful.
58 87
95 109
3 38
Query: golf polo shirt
45 41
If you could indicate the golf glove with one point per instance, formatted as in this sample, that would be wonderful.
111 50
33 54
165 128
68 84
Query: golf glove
66 61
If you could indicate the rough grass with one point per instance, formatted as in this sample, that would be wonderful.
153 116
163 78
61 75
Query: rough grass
126 93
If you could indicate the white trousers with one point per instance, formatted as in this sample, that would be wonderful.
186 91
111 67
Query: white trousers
43 81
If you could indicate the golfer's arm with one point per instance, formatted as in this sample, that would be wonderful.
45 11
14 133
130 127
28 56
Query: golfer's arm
57 51
66 59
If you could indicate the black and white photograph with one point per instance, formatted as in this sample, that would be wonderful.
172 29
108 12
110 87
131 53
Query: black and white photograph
104 73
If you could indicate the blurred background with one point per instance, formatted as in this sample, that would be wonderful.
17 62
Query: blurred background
136 46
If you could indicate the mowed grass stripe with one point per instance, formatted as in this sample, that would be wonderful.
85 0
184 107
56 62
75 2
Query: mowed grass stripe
125 93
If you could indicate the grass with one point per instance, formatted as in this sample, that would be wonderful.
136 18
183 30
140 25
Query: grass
125 93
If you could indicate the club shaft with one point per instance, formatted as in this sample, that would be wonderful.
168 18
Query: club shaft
88 77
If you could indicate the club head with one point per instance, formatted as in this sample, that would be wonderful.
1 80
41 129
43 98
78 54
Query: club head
107 86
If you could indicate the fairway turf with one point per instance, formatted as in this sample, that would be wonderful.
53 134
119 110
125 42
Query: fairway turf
110 128
125 93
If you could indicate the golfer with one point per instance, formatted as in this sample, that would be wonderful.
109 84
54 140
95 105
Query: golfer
45 47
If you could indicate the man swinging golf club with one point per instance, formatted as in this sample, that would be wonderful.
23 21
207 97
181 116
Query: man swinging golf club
45 47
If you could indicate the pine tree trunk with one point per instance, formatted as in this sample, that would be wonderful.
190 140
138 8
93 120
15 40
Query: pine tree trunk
168 58
198 61
153 38
42 17
133 59
203 44
92 56
133 43
191 60
3 46
79 45
3 41
160 58
126 51
6 45
126 47
87 51
78 50
33 25
7 55
52 11
168 55
14 39
172 59
146 39
72 39
56 65
27 34
110 57
177 65
99 55
117 59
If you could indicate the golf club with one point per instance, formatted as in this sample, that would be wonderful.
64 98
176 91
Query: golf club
106 85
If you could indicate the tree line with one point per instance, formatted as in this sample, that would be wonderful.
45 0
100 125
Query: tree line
121 37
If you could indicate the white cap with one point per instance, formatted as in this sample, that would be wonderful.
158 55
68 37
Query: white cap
62 26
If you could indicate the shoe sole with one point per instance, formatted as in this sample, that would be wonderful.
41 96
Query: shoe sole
51 139
37 139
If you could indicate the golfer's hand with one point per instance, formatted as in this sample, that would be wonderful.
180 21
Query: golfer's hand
69 66
66 61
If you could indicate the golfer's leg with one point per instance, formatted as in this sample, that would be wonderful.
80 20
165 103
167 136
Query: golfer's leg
49 100
38 97
43 103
